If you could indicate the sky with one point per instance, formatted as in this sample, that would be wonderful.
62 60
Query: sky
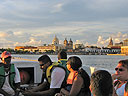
36 22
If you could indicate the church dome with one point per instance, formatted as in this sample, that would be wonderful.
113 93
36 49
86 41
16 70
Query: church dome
70 42
55 41
65 41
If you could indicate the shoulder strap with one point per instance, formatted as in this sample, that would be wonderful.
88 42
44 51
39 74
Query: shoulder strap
12 76
2 76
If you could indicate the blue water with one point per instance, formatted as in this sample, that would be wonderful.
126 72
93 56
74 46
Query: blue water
99 61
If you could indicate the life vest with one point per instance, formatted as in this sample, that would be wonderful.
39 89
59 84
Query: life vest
11 76
49 71
63 62
71 77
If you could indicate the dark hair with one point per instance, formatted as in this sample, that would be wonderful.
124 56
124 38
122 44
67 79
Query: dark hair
124 63
101 83
75 62
86 78
45 59
62 55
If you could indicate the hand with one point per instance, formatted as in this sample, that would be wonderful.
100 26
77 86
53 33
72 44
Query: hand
27 93
115 76
58 94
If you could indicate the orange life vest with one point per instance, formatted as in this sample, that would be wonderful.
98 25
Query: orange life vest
71 77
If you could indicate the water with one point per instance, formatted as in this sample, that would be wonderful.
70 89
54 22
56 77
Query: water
108 62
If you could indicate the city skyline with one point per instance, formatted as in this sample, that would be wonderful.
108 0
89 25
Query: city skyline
36 22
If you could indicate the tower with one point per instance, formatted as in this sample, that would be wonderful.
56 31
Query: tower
65 42
70 44
110 43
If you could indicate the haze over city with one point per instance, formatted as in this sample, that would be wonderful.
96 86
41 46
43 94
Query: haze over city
36 22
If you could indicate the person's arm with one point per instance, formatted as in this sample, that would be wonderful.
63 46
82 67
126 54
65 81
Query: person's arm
41 87
49 92
17 90
64 92
77 85
17 81
3 92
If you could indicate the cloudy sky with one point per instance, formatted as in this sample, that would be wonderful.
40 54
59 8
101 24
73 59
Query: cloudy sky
36 22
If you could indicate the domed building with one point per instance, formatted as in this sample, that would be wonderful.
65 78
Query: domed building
55 46
55 41
68 45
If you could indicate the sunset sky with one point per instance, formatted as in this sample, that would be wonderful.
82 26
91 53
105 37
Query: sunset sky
36 22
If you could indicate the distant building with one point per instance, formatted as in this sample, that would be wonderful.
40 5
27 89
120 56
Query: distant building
68 45
110 43
125 43
55 46
26 48
124 50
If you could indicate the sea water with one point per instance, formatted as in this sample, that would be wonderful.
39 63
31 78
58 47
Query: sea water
108 62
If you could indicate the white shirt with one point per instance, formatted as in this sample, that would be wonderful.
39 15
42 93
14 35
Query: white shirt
6 87
57 77
120 91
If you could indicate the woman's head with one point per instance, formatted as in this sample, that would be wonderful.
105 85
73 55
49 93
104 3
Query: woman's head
75 62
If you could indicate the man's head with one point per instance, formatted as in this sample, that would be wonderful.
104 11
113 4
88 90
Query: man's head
62 55
122 70
6 57
101 83
44 62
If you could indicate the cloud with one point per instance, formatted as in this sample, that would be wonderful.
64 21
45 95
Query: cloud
117 38
18 33
84 20
32 42
57 8
102 42
3 35
78 42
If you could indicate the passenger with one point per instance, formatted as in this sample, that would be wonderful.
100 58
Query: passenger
78 81
122 74
101 83
9 76
62 60
54 76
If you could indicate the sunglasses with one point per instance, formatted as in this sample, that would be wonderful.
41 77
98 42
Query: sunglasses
43 64
120 69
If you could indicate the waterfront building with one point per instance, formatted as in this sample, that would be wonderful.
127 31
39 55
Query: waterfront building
79 47
110 43
114 48
92 50
26 48
55 46
124 50
68 45
125 42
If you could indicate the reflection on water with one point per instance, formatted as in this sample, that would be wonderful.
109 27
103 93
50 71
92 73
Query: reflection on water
99 61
